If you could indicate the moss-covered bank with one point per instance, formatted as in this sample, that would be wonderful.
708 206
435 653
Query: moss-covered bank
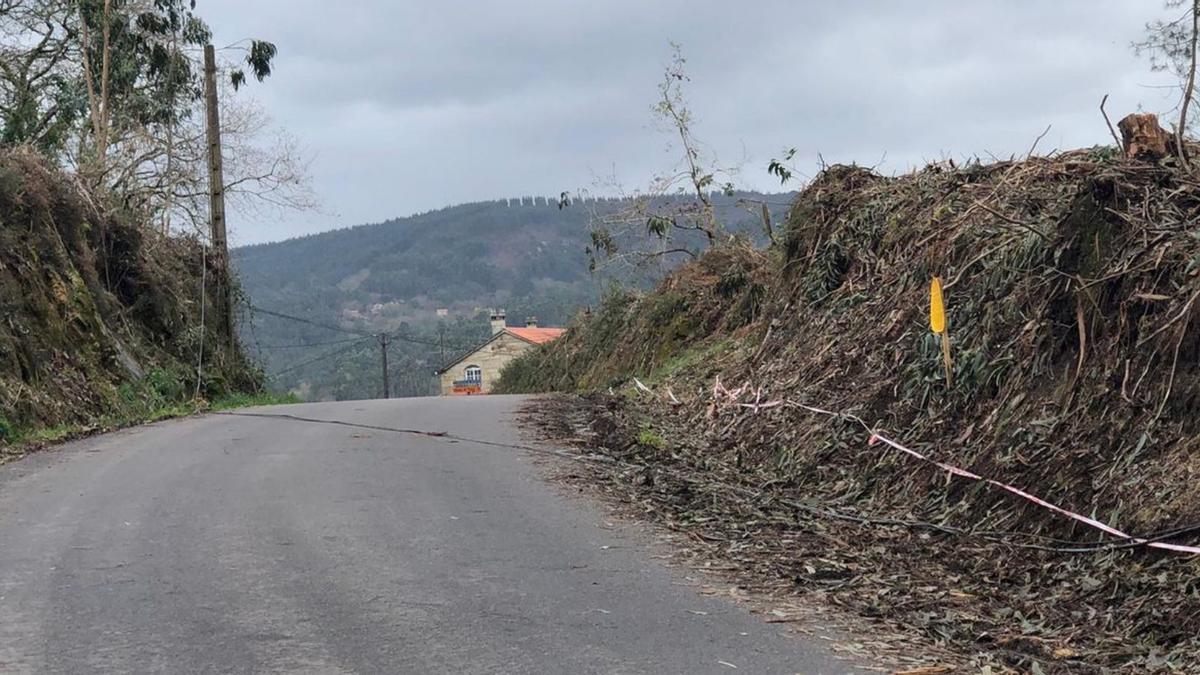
100 315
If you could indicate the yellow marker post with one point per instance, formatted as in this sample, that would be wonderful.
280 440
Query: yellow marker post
937 323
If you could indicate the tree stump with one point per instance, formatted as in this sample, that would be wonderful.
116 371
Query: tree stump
1143 139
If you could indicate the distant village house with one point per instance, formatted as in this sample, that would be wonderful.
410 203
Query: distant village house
477 370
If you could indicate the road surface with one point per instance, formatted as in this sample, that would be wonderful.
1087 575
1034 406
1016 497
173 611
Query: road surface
266 544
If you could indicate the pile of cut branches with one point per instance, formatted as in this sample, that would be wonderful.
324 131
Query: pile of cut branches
1071 284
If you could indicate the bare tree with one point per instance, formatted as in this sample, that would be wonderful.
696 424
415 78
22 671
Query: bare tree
111 88
660 220
672 108
98 94
1171 45
39 99
162 169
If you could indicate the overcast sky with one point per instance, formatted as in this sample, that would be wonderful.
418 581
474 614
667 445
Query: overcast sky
411 105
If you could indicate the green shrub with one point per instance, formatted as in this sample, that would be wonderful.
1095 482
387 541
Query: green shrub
650 439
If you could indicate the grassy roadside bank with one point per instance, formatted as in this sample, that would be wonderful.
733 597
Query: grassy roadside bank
17 443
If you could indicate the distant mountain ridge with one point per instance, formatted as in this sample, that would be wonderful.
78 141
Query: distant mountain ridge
524 254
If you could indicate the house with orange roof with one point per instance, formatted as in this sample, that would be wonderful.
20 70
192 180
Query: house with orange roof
476 371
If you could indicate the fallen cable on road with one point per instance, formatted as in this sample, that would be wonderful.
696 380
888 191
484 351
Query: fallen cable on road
432 434
815 509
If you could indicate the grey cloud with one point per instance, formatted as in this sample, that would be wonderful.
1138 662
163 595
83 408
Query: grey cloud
409 106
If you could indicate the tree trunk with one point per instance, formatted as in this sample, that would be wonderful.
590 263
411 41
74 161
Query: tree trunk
1144 139
1180 146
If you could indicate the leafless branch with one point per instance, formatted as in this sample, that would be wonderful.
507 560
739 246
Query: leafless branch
1116 139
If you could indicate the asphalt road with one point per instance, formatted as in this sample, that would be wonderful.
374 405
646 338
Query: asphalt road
265 544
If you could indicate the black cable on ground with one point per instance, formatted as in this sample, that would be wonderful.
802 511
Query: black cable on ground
995 536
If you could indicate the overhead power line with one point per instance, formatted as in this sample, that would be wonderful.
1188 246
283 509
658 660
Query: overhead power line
429 343
384 338
318 324
349 331
321 357
301 345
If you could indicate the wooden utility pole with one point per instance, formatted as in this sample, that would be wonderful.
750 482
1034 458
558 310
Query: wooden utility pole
216 193
383 345
442 342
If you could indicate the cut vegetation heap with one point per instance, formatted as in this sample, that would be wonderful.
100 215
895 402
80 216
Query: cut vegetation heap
101 323
1071 286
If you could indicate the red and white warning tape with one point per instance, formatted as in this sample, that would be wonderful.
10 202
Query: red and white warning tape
723 397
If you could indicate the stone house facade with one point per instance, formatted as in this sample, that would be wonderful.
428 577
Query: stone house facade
476 371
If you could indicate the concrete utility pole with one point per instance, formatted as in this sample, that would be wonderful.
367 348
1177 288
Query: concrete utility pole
383 345
216 193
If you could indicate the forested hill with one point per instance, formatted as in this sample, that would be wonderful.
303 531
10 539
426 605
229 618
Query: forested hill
525 255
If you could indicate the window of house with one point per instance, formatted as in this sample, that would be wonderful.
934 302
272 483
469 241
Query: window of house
474 374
